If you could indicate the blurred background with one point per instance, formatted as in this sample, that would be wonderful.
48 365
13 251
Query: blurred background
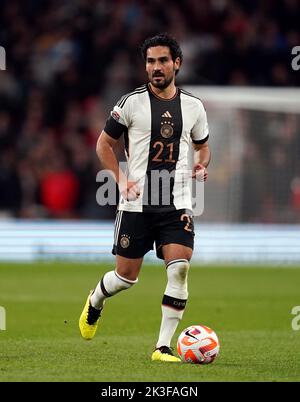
67 64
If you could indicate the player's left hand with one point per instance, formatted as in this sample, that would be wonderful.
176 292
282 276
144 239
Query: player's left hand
199 172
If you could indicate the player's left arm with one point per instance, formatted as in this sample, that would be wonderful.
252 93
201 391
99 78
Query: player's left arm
202 154
202 157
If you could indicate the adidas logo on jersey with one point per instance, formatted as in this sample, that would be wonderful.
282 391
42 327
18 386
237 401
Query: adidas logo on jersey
166 114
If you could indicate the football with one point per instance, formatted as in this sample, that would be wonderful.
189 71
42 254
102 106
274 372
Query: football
198 344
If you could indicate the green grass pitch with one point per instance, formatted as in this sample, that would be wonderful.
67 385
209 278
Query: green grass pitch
248 307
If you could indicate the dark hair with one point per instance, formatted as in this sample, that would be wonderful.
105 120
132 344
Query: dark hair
162 40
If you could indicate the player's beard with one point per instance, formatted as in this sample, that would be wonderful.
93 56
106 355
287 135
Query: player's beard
162 83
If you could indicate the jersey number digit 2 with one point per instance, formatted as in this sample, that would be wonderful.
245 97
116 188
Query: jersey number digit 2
160 145
187 218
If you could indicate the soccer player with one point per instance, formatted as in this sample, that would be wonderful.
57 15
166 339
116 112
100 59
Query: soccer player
159 122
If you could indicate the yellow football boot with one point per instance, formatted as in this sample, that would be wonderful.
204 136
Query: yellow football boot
164 354
89 319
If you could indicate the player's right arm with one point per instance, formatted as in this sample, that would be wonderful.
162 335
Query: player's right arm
107 156
116 125
108 159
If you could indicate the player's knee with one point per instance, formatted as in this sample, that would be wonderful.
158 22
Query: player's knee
124 282
177 271
177 286
112 283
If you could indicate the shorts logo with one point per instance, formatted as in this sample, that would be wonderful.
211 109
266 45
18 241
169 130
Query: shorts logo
124 241
166 130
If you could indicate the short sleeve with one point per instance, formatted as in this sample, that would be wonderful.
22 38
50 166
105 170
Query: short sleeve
200 131
118 121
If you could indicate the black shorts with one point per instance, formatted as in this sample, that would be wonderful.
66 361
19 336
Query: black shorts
136 232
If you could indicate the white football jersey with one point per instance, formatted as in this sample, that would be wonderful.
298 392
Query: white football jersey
157 135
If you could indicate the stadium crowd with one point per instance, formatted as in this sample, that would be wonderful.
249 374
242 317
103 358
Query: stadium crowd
68 62
271 167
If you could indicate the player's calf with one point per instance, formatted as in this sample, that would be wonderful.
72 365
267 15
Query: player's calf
174 300
111 284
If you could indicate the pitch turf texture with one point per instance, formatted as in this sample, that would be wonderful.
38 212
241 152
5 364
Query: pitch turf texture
248 307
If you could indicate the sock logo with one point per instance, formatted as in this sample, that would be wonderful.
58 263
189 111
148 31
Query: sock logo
177 304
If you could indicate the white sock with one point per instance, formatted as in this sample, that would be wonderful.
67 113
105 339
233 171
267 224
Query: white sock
169 324
174 300
111 284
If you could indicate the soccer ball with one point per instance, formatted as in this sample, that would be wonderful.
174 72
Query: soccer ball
198 344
